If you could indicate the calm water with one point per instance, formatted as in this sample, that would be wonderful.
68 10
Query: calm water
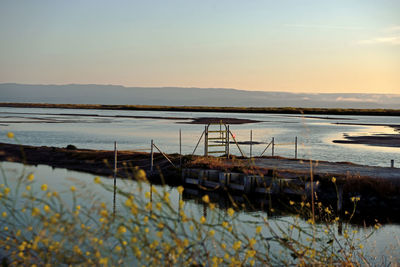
382 244
60 127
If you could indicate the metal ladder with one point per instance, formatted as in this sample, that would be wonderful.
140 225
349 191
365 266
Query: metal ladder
219 139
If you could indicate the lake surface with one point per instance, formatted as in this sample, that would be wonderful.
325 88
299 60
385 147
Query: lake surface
98 129
380 247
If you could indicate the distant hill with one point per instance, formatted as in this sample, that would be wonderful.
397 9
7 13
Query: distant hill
178 96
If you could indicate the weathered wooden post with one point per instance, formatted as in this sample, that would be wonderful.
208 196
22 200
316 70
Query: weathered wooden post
295 147
392 163
227 142
205 141
251 142
180 148
151 157
115 176
273 146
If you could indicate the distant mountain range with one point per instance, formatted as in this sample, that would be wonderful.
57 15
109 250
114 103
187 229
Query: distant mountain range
178 96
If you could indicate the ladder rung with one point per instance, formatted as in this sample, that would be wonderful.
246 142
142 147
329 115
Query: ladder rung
221 131
215 138
217 151
218 145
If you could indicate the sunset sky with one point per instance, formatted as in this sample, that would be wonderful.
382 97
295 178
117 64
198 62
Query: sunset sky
342 46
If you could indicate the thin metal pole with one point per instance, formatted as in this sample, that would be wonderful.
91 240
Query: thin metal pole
151 156
295 148
180 148
251 142
273 146
198 142
115 176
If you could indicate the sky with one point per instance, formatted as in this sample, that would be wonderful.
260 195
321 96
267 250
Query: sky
341 46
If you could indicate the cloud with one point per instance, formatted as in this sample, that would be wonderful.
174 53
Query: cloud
392 29
325 27
388 40
352 99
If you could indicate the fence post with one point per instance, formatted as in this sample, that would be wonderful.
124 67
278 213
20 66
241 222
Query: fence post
115 176
251 142
392 163
227 142
180 148
295 148
273 146
151 157
205 141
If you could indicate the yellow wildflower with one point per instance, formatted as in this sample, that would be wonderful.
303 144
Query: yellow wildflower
231 212
258 229
72 188
35 211
202 219
46 208
44 187
122 229
31 176
10 135
291 202
97 180
333 180
4 214
180 189
211 233
206 199
237 245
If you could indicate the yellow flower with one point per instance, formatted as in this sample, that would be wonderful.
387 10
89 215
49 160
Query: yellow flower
225 224
147 194
118 248
72 188
223 246
206 199
212 206
4 214
5 228
291 202
237 245
361 246
258 229
78 207
231 212
252 242
6 190
97 180
10 135
31 176
158 206
46 208
202 219
333 180
211 233
35 211
122 229
44 187
180 189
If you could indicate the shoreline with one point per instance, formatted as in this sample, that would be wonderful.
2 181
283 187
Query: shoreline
273 110
380 195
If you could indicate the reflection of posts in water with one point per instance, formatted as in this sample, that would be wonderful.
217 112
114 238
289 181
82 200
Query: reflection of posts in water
204 210
115 176
340 227
151 198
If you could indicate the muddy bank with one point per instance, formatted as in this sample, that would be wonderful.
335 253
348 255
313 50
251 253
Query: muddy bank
384 140
380 196
275 110
182 120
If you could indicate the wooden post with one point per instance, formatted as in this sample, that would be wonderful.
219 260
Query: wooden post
151 157
206 141
227 142
251 142
295 147
115 176
392 163
273 146
180 148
